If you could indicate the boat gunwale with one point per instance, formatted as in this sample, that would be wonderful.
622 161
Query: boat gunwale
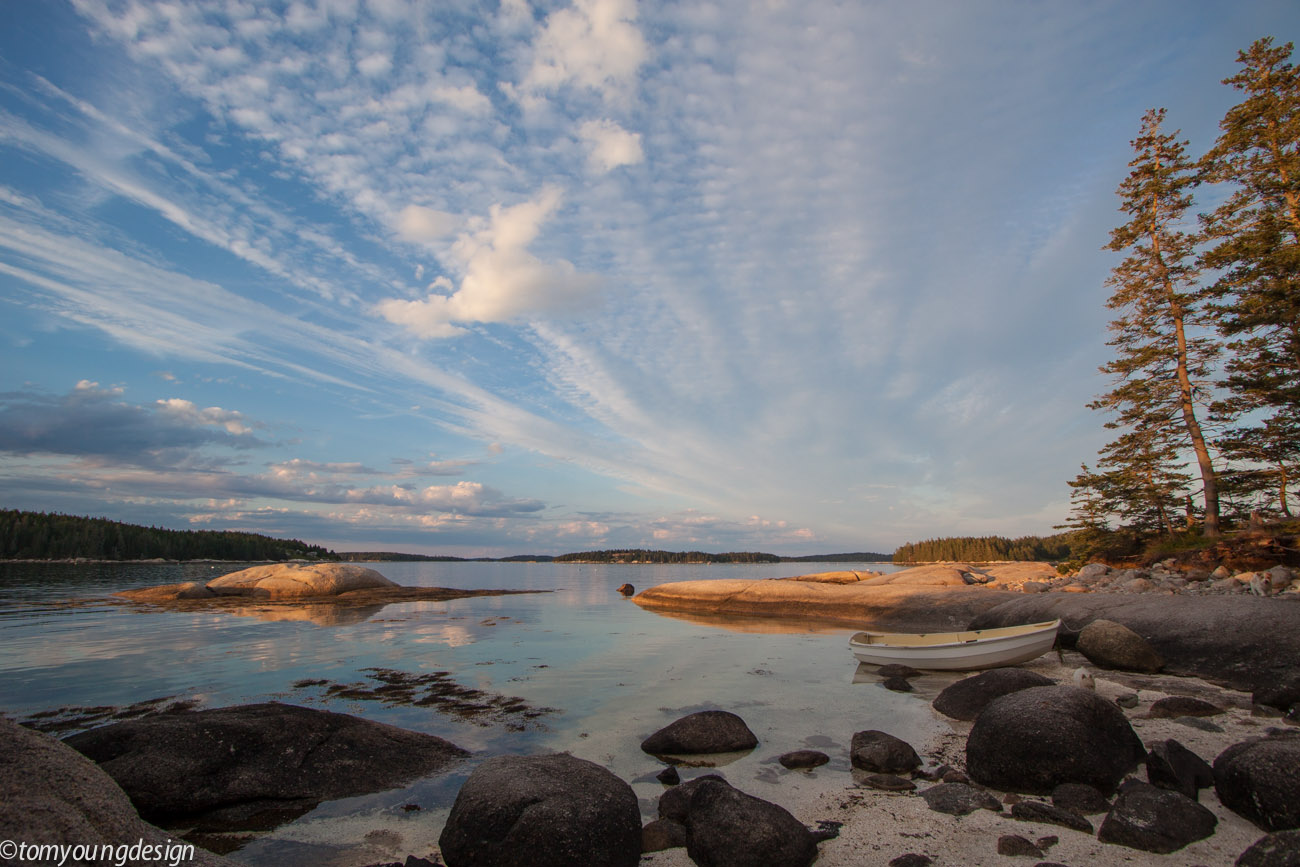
980 636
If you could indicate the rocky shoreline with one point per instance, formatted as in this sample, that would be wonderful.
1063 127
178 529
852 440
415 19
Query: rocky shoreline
1133 768
1202 625
1121 747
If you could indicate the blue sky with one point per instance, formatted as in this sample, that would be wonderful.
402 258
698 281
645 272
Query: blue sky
485 278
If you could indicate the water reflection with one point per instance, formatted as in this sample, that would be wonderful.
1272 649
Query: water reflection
762 625
614 671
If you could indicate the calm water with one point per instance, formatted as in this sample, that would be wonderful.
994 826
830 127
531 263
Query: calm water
612 672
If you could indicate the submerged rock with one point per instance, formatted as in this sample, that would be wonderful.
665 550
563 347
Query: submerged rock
803 759
882 753
545 811
708 731
255 766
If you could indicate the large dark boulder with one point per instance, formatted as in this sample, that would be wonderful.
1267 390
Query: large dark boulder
544 811
1036 739
254 766
1114 645
1260 779
50 794
1170 765
1246 642
967 697
1155 820
709 731
882 753
727 828
1276 850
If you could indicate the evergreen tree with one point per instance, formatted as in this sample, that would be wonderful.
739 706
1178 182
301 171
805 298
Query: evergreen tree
1255 242
1159 363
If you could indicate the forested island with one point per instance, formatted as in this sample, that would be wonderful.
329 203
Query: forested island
640 555
987 549
52 536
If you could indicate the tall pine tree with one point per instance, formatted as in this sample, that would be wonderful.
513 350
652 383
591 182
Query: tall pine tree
1159 363
1255 243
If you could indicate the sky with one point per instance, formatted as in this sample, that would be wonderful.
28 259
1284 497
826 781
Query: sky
505 277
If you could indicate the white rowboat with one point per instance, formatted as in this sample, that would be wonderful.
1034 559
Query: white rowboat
956 651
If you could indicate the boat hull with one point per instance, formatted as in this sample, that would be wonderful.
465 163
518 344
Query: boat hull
959 651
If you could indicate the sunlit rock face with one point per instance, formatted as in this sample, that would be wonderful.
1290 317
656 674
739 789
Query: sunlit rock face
292 580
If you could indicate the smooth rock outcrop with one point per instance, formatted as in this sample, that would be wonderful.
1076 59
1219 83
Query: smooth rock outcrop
726 827
254 766
1246 642
708 731
1114 645
167 592
296 580
1276 850
1260 779
1155 820
882 753
912 607
965 698
51 794
1036 739
544 811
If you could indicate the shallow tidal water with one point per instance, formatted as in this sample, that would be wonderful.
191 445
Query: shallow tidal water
592 672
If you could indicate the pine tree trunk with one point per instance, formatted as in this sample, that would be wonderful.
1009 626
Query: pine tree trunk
1209 480
1281 494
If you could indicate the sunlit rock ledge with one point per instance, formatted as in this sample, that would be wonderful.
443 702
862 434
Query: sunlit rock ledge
307 588
935 603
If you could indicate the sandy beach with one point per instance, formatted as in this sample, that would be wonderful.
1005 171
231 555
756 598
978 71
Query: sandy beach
880 826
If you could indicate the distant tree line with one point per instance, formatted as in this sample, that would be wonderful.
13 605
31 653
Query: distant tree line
1206 375
639 555
53 536
984 549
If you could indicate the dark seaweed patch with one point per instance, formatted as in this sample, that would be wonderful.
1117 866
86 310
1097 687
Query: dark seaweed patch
439 691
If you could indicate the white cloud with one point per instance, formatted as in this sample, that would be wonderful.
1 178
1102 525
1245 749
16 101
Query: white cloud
466 98
424 225
502 280
610 146
186 412
593 44
375 65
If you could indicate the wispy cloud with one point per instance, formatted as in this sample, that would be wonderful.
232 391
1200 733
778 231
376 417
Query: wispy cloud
834 265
